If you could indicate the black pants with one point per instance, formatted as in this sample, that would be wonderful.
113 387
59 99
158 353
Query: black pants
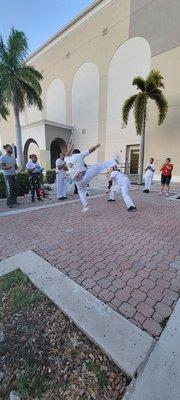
34 180
75 189
11 189
109 185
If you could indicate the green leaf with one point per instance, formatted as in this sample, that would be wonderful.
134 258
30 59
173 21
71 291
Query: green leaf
128 104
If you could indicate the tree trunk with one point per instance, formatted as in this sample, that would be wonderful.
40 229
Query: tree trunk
142 148
20 158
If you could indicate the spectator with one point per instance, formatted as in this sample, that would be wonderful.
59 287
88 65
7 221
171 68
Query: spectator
150 168
61 177
34 170
166 174
9 167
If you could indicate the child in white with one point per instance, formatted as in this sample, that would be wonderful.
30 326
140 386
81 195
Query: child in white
61 177
82 175
121 183
150 168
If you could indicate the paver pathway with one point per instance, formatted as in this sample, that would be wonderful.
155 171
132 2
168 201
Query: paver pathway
131 261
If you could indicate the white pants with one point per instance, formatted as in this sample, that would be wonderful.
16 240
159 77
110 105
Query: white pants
124 189
148 181
91 173
60 186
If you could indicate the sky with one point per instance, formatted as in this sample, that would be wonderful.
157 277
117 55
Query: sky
39 19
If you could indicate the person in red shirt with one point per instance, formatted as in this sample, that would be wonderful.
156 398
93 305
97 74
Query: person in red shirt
166 174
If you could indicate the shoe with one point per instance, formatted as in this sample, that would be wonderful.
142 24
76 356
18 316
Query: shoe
85 209
132 208
39 198
17 203
111 200
64 198
10 206
160 193
145 191
167 194
61 198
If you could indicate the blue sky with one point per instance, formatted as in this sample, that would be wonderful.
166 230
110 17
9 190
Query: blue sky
39 19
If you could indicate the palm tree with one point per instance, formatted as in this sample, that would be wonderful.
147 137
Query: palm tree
150 88
19 83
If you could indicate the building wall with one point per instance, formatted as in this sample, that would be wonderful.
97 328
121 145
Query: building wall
88 71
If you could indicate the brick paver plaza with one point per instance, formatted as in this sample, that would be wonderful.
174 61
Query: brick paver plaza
126 259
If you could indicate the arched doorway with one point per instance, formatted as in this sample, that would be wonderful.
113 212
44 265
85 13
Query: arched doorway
58 146
30 147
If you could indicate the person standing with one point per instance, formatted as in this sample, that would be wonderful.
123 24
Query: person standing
61 177
34 170
121 183
149 172
9 167
166 175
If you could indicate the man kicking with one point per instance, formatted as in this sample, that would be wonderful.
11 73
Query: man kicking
121 183
81 174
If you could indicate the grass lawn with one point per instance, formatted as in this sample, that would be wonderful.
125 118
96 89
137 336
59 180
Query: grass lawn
44 356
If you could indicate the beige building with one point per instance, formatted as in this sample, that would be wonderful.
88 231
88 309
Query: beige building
88 69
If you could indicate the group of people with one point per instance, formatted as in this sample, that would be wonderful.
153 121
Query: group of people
166 175
73 164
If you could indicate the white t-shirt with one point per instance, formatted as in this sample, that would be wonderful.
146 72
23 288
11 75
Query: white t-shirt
61 172
149 172
31 165
75 163
118 178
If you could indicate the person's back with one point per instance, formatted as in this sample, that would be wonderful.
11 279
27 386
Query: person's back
118 178
75 163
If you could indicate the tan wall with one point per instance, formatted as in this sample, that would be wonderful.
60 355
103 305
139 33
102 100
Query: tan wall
164 141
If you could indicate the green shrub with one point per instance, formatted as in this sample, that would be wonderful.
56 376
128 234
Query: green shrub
50 176
23 184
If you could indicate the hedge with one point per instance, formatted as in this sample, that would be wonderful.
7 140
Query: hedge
23 184
50 176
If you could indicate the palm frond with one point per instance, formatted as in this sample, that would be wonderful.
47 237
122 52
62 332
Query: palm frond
128 104
154 79
31 76
161 103
139 82
140 111
17 45
31 96
4 112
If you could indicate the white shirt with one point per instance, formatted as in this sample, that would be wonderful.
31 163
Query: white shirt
149 173
31 165
118 178
61 172
75 163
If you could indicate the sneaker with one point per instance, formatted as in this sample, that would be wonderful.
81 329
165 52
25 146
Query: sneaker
39 198
145 191
132 208
167 194
160 193
10 206
85 209
111 200
64 197
61 198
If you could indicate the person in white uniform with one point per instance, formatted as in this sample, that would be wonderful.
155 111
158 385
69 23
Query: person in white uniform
121 183
149 172
83 175
61 177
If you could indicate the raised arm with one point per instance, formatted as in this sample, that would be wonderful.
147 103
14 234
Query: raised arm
94 148
70 150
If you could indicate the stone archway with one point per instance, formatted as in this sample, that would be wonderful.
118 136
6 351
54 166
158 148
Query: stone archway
58 145
31 146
